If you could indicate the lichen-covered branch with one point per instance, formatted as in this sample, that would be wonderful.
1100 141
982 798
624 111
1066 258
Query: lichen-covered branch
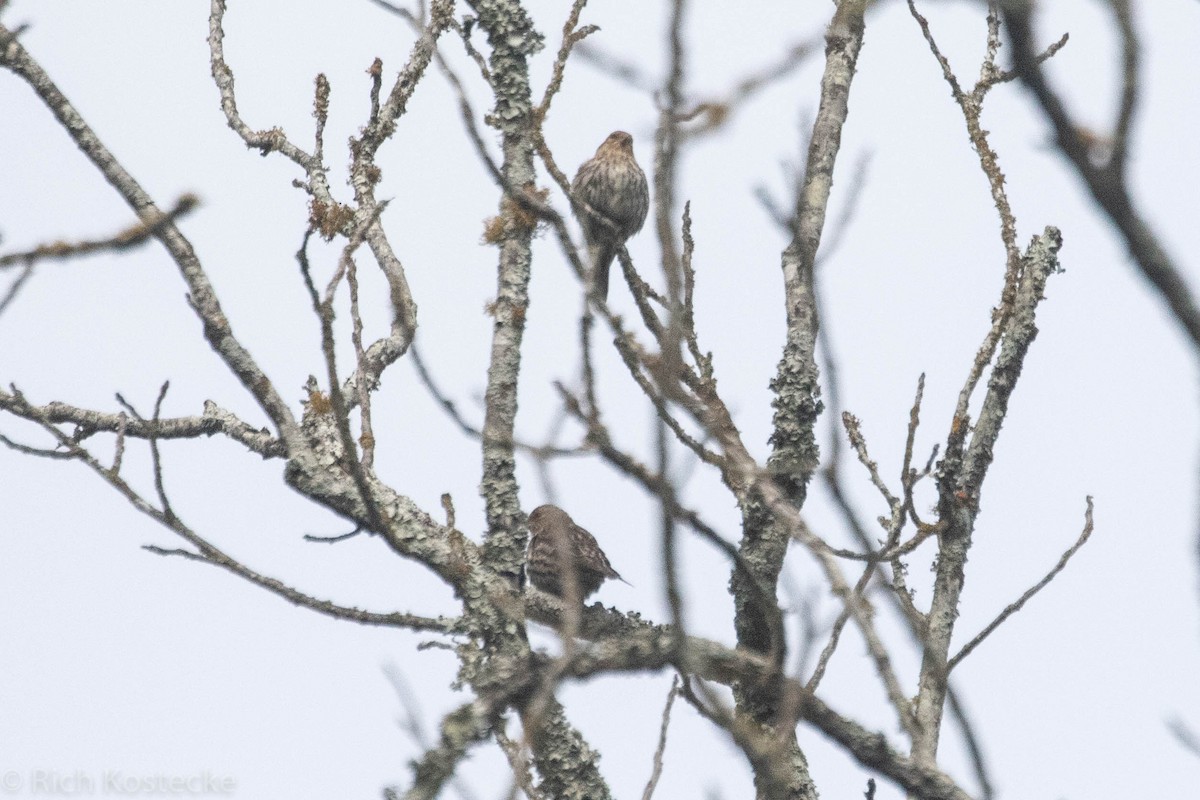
961 481
513 40
88 423
796 401
467 725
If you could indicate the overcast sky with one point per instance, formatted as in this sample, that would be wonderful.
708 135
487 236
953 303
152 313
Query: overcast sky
118 660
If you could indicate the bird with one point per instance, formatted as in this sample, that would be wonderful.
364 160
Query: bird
557 548
612 199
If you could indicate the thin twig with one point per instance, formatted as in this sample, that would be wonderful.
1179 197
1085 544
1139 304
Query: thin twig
413 722
659 751
133 236
208 553
1013 608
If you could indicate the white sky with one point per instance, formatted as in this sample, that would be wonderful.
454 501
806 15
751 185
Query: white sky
118 660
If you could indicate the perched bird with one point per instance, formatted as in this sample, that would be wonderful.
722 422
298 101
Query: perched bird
559 547
613 187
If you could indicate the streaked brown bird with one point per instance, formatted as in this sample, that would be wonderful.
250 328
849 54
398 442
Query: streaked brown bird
613 186
559 547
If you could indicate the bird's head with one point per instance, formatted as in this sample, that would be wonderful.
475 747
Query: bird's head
548 517
617 142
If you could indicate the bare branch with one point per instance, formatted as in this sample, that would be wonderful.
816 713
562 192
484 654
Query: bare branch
626 644
156 456
203 299
337 401
656 772
961 480
1130 81
341 537
364 175
859 443
57 455
393 619
620 69
466 111
1013 608
207 552
131 237
971 105
14 288
714 113
1106 181
835 635
543 452
88 422
413 723
971 740
572 35
872 750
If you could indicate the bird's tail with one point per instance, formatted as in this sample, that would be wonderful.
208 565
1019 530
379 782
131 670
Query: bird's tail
601 256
